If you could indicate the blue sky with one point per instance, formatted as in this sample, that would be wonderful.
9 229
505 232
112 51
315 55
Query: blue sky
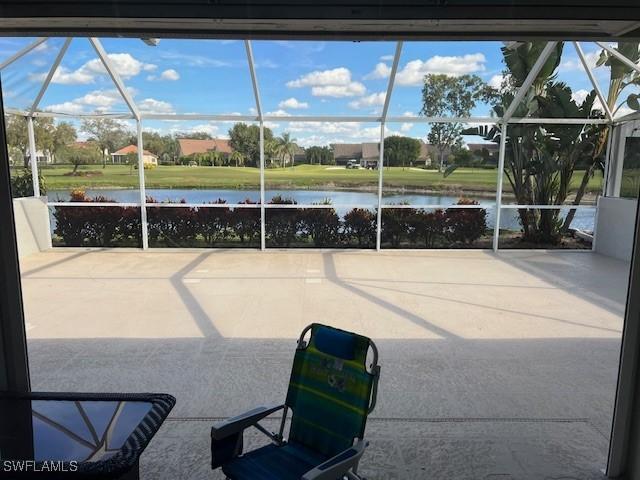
295 78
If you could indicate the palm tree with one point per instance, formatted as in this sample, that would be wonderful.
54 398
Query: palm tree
237 157
270 150
286 147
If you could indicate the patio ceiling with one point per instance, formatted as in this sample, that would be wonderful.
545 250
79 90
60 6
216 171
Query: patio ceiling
496 19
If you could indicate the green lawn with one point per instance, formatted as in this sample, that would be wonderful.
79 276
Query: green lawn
303 176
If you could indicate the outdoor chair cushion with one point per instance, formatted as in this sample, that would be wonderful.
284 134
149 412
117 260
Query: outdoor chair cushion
271 462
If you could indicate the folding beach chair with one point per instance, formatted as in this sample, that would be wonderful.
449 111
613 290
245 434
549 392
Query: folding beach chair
331 392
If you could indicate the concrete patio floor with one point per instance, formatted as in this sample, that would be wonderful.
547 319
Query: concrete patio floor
493 365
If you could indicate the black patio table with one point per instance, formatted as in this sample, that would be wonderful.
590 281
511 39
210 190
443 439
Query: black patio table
77 435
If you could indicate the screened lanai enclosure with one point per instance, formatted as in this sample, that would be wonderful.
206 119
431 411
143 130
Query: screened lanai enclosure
269 144
184 208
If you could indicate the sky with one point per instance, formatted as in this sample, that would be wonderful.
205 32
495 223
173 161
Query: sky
294 77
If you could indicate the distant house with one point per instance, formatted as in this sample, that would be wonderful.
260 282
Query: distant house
368 154
345 152
192 146
42 157
486 151
122 155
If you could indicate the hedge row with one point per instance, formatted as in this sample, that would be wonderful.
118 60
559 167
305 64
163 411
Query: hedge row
285 227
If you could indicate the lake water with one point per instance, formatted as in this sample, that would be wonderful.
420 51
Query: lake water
342 199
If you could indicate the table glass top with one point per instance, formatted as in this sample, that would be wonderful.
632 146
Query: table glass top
83 430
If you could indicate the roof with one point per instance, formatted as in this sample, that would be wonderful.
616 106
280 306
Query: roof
371 150
189 146
347 150
132 149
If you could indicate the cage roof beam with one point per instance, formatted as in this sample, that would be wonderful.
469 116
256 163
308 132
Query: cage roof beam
526 85
50 75
594 82
392 79
115 76
254 78
22 52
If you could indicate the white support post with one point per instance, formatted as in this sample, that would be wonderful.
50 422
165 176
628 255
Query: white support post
594 82
526 85
501 156
142 189
383 118
380 170
256 94
35 178
607 161
263 243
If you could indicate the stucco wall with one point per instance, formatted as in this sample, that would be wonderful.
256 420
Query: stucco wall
615 226
32 225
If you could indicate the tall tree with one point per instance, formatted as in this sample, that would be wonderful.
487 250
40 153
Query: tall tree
246 140
447 96
109 135
18 139
237 157
319 155
286 148
63 136
401 151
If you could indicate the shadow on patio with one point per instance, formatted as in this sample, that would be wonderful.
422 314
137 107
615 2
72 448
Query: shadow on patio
494 366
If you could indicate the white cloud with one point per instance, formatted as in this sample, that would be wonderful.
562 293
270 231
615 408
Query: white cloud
405 127
574 63
579 95
412 74
123 63
330 83
170 75
353 89
337 76
66 107
105 100
409 114
373 100
155 106
381 70
94 101
293 103
496 81
278 113
386 58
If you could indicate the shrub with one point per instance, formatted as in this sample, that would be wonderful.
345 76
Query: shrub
282 225
360 225
396 225
245 222
321 224
173 226
466 225
214 222
97 226
22 184
428 227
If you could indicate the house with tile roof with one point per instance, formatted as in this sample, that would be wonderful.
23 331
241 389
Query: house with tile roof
193 146
122 156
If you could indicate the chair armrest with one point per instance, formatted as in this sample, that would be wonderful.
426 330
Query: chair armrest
339 465
241 422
